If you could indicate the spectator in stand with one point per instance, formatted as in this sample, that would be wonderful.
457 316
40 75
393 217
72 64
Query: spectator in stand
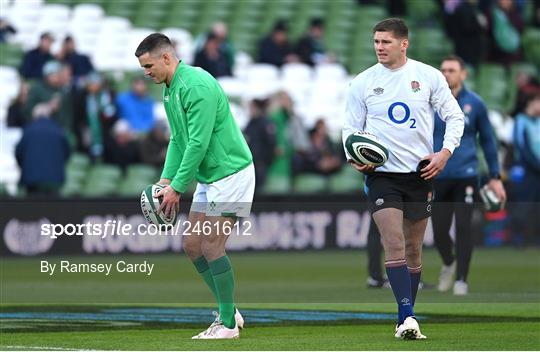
310 48
220 31
291 135
95 114
6 30
527 86
212 59
396 8
260 134
15 115
80 64
42 152
154 145
136 106
122 146
275 48
536 13
466 26
505 25
525 175
56 83
323 157
34 60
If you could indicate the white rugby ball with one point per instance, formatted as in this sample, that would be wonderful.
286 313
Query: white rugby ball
492 203
366 148
150 205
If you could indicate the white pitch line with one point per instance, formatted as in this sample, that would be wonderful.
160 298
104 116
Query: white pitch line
45 348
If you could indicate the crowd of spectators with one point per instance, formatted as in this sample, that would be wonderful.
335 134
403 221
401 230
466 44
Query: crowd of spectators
63 99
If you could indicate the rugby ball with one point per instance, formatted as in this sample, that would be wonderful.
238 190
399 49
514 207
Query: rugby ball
150 205
490 199
365 148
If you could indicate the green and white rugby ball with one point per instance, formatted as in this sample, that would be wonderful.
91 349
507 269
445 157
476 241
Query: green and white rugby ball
150 205
365 148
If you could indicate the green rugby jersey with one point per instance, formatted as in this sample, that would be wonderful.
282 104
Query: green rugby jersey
206 143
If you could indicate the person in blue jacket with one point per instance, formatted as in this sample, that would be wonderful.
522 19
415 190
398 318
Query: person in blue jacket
456 186
42 152
525 174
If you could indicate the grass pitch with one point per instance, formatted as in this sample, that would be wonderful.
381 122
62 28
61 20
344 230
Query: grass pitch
291 301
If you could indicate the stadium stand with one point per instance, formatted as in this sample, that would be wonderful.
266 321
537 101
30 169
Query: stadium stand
108 31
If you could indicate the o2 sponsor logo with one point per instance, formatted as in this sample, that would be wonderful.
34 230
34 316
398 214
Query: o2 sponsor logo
407 116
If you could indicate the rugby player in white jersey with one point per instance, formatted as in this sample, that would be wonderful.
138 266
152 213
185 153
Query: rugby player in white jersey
396 100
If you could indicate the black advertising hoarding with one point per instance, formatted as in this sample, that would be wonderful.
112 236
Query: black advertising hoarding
306 222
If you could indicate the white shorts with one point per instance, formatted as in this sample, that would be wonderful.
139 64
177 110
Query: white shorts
230 196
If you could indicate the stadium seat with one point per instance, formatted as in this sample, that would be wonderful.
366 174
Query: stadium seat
12 54
310 183
112 44
346 181
296 72
420 11
277 184
430 46
531 45
10 138
105 171
330 73
9 171
132 187
143 172
491 84
71 189
79 161
135 36
124 8
263 72
242 61
86 12
11 84
102 181
233 87
185 45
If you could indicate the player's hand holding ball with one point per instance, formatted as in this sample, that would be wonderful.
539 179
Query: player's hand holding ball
437 162
497 186
153 205
363 168
170 202
366 151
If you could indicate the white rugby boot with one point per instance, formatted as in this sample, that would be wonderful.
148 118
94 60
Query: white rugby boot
220 331
409 330
446 277
461 288
214 323
237 317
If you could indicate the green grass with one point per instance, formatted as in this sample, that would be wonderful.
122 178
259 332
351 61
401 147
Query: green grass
501 313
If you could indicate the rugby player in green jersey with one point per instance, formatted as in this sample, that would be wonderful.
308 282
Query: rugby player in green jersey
206 144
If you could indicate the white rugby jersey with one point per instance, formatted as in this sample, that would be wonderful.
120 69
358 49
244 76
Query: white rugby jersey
398 106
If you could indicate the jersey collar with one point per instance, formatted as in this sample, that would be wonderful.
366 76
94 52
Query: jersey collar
177 74
399 68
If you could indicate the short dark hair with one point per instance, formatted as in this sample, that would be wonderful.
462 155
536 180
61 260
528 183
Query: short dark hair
280 26
316 22
455 58
152 42
46 35
394 25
